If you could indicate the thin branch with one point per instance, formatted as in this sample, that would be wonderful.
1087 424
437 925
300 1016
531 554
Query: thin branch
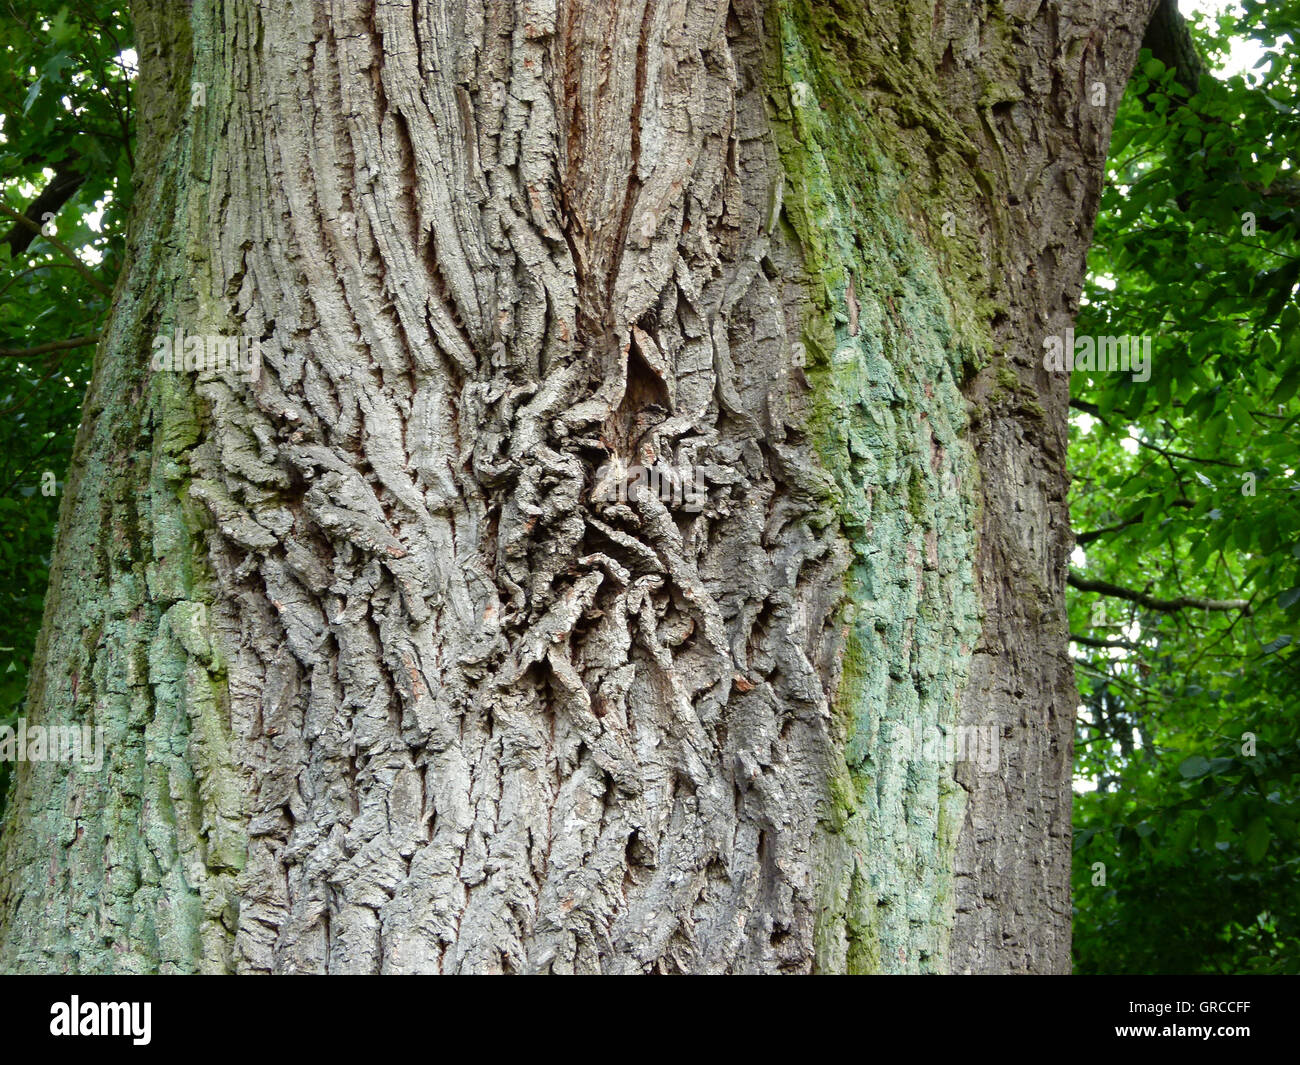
1205 651
80 267
1093 534
1190 458
33 270
34 389
1183 602
1093 641
53 345
1122 682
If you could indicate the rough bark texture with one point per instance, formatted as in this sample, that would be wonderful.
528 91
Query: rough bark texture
388 683
1043 130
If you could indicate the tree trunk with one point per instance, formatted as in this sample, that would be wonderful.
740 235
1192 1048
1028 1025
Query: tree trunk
398 674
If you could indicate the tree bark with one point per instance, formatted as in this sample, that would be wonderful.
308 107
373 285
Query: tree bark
394 678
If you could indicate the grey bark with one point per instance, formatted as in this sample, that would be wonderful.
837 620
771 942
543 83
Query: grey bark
1048 145
390 687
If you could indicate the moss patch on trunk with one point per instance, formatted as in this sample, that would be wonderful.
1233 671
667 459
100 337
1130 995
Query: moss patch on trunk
890 326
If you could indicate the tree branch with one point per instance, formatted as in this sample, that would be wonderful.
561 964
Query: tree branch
1171 42
59 191
1088 537
77 264
1190 458
1092 641
1183 602
53 345
1094 411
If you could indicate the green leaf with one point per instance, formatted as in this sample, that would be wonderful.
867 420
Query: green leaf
1256 839
32 94
1181 839
1287 385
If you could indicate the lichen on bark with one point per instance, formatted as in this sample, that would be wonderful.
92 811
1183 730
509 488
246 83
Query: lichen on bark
885 356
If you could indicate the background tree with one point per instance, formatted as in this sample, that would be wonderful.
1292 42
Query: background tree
1186 493
388 684
65 166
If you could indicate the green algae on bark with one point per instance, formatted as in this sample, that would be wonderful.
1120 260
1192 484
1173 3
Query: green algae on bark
887 344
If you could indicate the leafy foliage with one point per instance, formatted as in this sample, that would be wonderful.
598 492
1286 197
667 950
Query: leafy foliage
1186 488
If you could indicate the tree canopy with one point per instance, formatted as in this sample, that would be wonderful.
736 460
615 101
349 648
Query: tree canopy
1186 588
